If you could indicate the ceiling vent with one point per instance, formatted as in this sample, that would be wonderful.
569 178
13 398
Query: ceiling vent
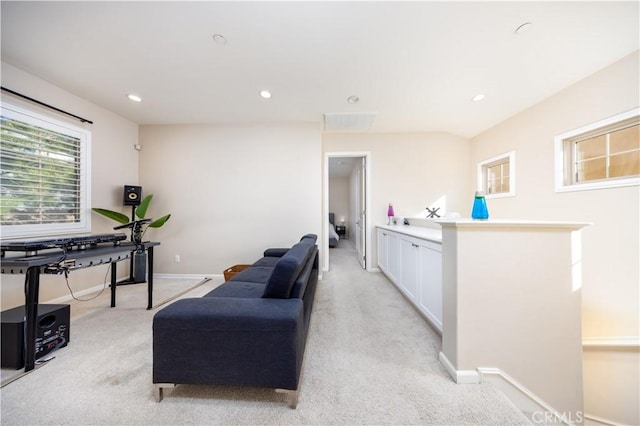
348 122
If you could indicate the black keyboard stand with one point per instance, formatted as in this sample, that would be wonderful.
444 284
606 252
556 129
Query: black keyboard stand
58 261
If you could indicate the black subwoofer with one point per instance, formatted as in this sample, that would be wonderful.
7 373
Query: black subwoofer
52 332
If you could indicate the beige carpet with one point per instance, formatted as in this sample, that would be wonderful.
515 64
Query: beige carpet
370 359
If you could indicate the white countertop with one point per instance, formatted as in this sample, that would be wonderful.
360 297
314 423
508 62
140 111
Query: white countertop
510 224
431 234
434 232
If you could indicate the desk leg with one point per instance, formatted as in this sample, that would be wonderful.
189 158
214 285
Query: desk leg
150 278
113 284
31 290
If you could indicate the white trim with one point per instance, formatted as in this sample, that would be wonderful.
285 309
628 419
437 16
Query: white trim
46 121
600 420
523 398
461 377
187 276
324 243
559 157
99 287
86 291
611 342
481 174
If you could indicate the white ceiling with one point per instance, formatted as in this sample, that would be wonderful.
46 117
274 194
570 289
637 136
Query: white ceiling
415 65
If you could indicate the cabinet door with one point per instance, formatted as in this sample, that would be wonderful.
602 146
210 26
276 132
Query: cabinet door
393 257
409 267
430 298
382 250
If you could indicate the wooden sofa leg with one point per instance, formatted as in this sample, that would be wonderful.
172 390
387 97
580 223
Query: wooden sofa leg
159 387
292 397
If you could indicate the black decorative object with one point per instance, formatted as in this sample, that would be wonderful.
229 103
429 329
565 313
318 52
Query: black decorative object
433 213
132 195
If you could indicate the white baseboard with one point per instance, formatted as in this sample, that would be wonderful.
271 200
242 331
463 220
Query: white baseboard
459 376
525 400
594 420
187 276
611 342
95 289
92 290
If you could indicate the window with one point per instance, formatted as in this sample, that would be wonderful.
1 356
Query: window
44 175
497 176
601 155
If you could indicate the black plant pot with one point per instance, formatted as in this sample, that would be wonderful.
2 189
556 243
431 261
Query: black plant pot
139 266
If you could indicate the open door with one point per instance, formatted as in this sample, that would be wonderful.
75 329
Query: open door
360 212
359 199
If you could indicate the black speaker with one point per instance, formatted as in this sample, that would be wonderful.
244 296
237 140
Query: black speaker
132 195
52 332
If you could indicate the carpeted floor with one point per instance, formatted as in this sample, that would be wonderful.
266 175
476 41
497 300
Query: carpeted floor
370 359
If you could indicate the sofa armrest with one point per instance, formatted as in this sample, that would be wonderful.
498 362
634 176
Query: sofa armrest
229 340
275 252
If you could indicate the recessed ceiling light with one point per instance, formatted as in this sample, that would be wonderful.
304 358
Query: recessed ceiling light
265 94
353 99
478 97
134 98
522 28
219 39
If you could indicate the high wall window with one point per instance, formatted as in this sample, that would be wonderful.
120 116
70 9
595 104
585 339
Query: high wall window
601 155
44 175
497 175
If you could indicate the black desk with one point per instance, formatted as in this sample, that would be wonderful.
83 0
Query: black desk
48 261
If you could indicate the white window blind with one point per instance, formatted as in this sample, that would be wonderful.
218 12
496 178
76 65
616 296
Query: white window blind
43 175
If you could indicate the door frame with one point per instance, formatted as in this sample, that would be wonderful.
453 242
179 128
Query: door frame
324 244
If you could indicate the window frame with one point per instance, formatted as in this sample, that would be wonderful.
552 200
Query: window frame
564 155
482 174
36 118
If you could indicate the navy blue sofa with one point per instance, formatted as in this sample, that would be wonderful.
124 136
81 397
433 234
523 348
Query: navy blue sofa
250 331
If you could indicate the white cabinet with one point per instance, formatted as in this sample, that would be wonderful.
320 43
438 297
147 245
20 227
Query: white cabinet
430 297
388 255
414 265
393 257
382 250
409 267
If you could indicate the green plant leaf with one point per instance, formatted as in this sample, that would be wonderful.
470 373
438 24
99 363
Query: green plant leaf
159 222
118 217
141 210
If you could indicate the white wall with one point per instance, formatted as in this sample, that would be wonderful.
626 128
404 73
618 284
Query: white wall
611 249
411 171
114 163
232 191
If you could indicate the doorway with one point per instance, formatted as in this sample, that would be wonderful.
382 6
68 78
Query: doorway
351 171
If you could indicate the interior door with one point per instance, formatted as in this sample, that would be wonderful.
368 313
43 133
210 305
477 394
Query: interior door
361 225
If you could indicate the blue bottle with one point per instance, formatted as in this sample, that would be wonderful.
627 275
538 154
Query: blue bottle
479 210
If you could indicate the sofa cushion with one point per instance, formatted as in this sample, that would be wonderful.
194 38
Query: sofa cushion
254 274
246 290
286 271
266 261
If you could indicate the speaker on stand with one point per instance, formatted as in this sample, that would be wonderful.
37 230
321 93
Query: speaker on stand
132 196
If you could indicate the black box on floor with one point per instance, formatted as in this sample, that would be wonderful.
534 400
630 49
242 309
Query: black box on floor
52 332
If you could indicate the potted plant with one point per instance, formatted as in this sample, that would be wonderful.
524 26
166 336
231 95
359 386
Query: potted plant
138 229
